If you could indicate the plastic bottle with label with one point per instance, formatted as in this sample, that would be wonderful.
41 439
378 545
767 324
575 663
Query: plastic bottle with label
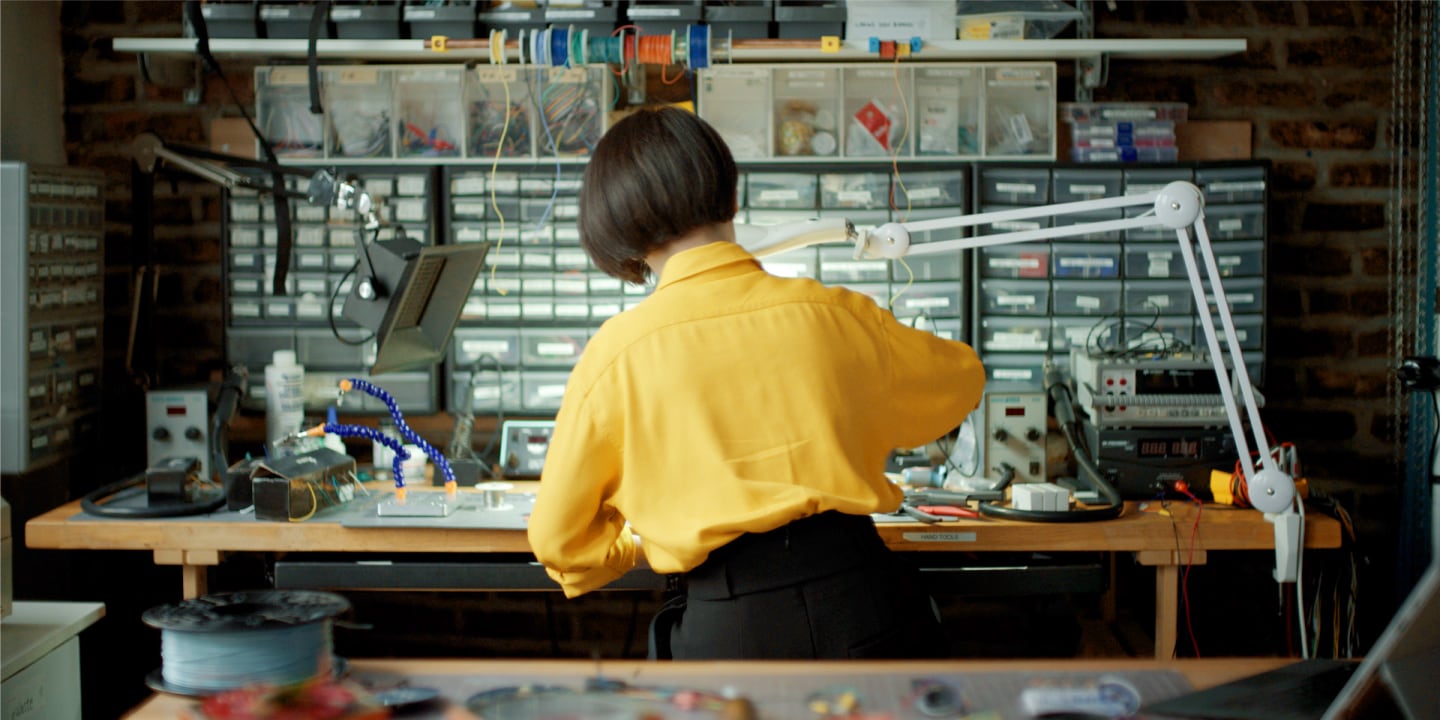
381 455
284 398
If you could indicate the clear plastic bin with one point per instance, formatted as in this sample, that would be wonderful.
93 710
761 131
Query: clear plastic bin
873 113
1074 185
1239 259
1149 297
573 104
934 299
282 110
947 109
1086 297
1020 334
781 190
358 105
1250 330
1031 260
1154 260
806 109
1015 297
1235 222
1232 185
1091 216
1015 186
494 390
542 390
1085 260
1137 181
1020 105
855 190
837 265
1083 332
1001 227
930 190
431 112
1015 370
1244 295
499 113
468 345
726 95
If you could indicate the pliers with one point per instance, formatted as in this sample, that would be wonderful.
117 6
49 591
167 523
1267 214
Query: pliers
937 513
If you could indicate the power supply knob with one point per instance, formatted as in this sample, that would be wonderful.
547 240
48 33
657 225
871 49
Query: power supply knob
160 434
192 433
1033 434
1000 435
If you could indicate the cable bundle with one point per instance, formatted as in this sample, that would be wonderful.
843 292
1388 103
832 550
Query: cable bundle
223 642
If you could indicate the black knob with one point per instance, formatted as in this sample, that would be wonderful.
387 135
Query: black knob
192 433
160 434
1000 434
1033 434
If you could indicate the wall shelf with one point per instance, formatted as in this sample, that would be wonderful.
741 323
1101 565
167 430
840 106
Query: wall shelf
750 51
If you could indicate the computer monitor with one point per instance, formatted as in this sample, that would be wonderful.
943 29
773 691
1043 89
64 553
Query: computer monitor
411 296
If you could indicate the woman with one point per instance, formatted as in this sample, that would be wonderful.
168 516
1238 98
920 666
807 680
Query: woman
738 422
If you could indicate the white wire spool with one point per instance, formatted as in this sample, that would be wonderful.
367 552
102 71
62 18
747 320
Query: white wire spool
223 642
492 495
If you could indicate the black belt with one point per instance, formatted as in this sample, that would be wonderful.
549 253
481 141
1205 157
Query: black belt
805 549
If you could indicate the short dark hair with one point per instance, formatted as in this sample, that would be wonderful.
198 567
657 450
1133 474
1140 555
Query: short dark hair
656 175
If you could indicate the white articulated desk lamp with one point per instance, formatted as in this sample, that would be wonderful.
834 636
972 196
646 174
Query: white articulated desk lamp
1177 206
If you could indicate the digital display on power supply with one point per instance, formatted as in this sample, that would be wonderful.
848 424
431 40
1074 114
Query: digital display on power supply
1168 448
1176 382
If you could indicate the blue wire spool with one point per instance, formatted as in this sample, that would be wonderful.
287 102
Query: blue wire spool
559 47
698 46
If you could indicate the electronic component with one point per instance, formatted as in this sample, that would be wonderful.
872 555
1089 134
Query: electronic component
1143 462
171 480
296 487
1040 496
523 445
1133 392
175 427
1015 434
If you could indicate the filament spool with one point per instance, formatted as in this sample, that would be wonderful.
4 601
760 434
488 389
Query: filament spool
224 642
492 495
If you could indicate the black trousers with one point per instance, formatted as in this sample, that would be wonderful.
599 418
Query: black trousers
822 587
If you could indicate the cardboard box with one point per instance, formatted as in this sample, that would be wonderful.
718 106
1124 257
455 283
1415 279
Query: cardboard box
1214 140
233 136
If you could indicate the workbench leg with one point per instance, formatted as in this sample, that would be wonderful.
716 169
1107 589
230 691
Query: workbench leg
1168 598
194 580
1108 598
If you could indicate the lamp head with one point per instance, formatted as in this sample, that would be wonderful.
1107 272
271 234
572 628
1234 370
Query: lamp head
413 299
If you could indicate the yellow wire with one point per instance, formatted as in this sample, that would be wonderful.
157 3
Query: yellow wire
314 505
896 169
499 147
905 131
910 278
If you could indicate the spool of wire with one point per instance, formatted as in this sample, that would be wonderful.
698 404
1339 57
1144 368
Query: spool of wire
698 46
223 642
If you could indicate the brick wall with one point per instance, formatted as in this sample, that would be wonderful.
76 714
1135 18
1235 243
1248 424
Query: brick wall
1315 82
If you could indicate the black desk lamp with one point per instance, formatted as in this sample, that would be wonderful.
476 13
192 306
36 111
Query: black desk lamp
408 294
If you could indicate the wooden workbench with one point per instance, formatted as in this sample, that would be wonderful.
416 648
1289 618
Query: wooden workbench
1161 540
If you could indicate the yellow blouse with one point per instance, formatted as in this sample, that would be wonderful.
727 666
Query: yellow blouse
734 401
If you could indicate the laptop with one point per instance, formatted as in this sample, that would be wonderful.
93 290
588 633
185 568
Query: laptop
1396 680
